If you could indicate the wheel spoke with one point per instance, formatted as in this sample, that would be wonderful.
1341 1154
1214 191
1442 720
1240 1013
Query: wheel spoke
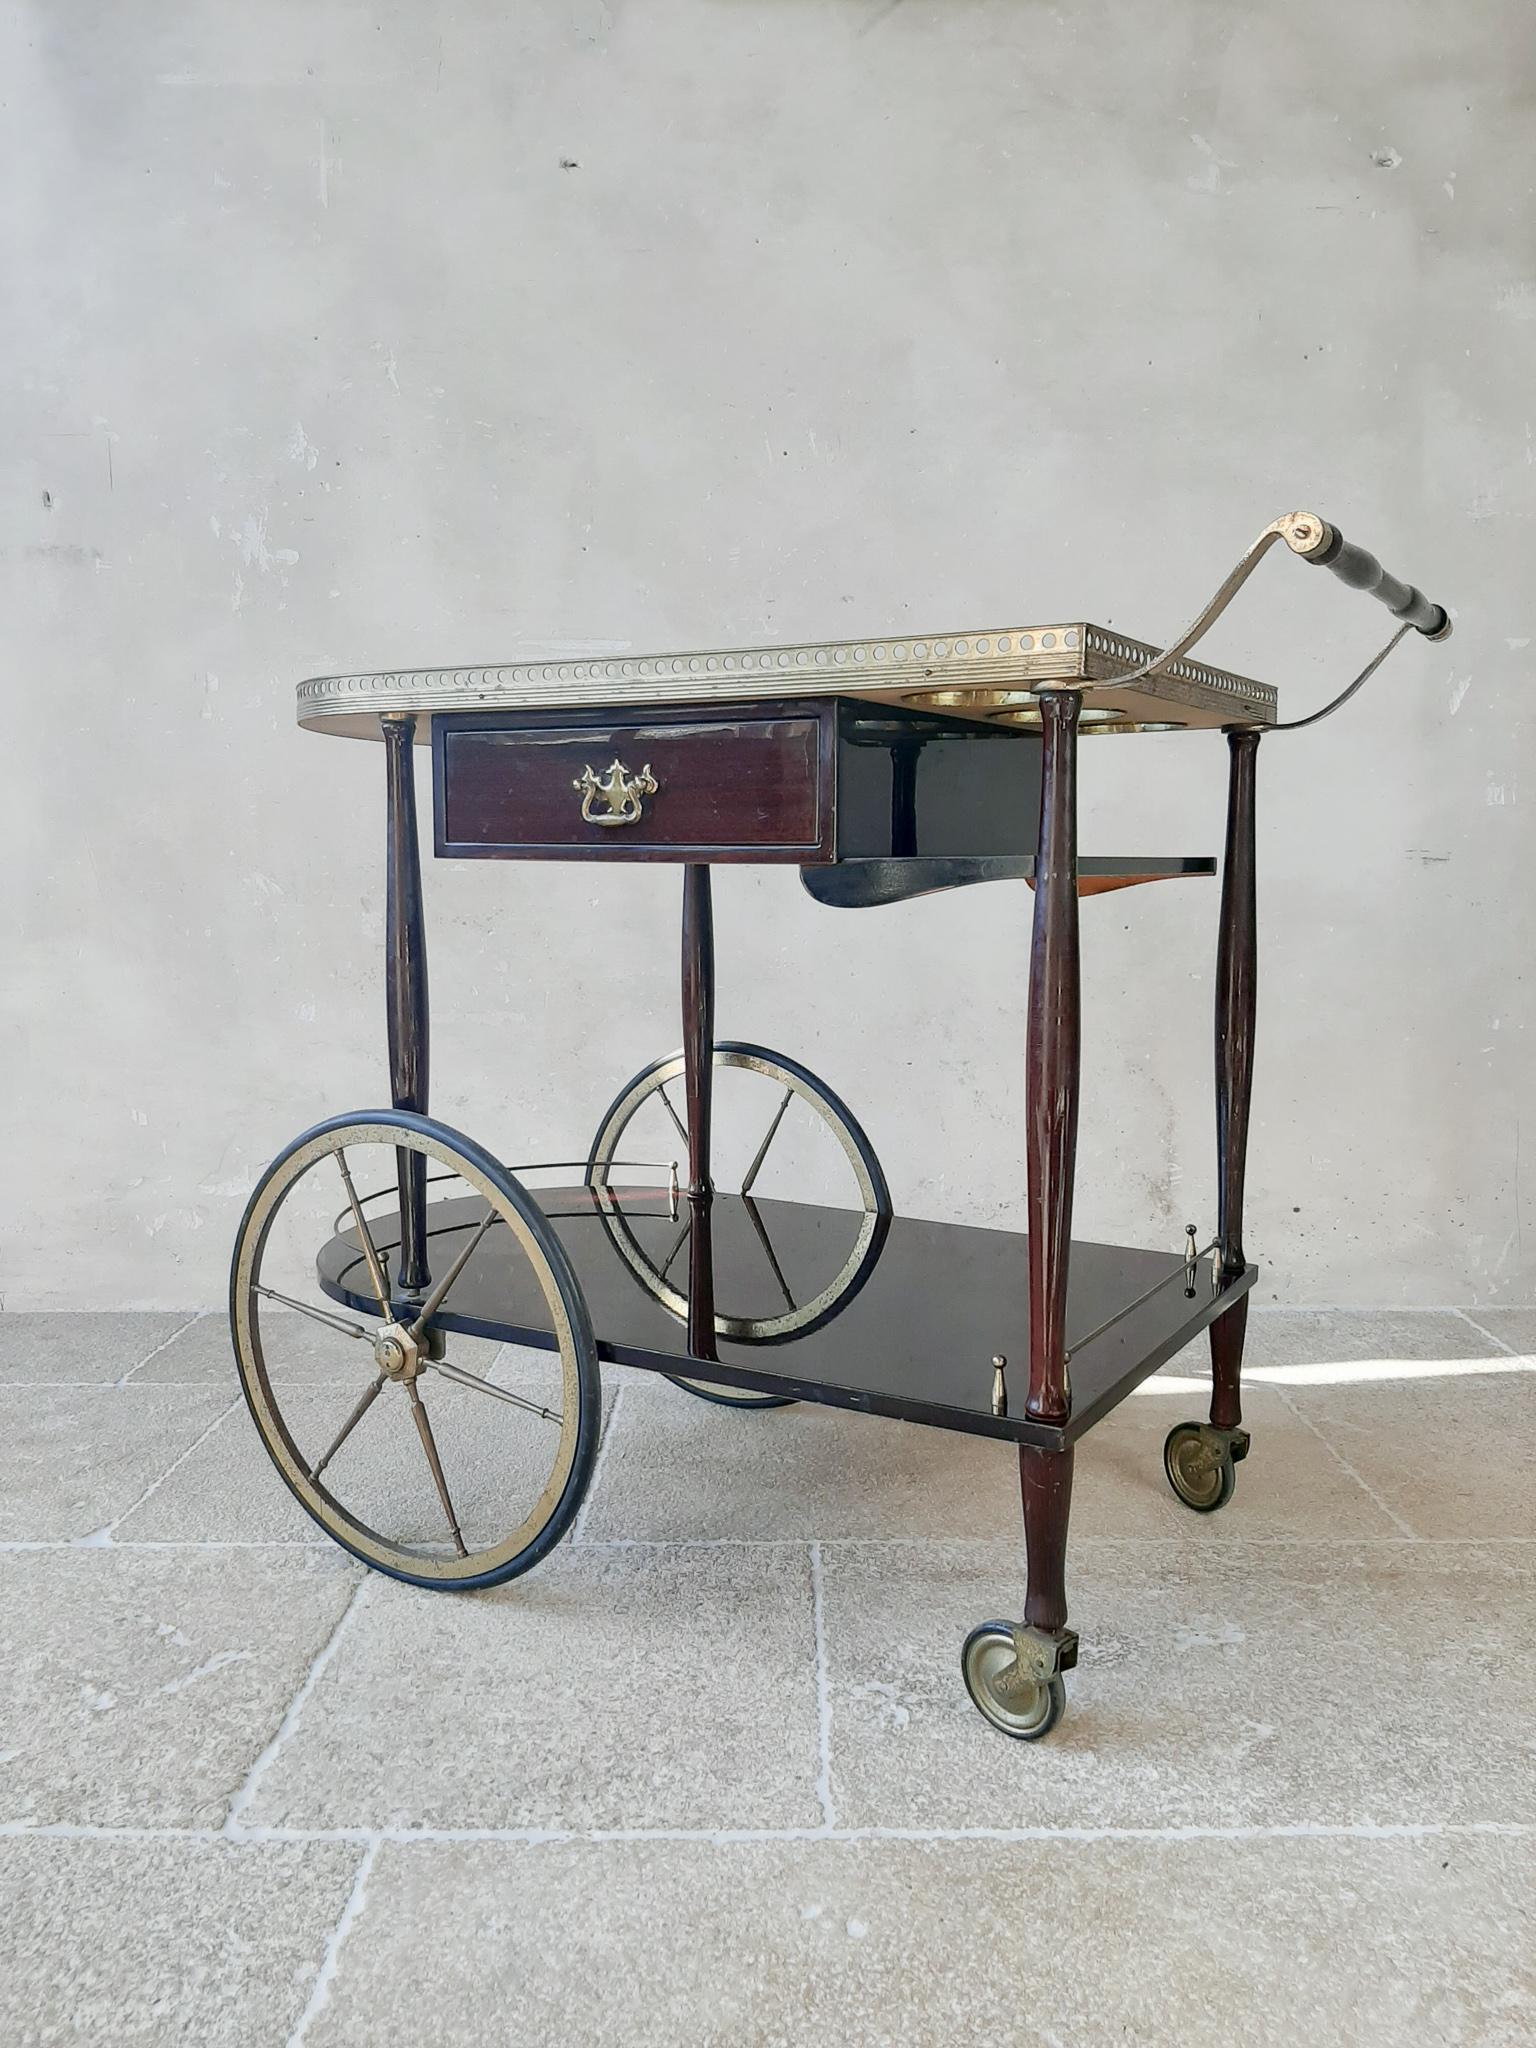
767 1244
375 1270
318 1315
762 1151
677 1244
349 1425
682 1128
461 1378
429 1445
436 1298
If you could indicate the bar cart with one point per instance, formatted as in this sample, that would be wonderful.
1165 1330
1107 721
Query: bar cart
882 769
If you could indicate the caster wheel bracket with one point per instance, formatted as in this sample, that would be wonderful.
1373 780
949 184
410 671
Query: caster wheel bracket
1013 1673
1044 1653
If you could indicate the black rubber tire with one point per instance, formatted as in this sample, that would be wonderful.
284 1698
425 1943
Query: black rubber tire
562 1280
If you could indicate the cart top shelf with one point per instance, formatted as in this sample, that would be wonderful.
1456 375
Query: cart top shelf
988 674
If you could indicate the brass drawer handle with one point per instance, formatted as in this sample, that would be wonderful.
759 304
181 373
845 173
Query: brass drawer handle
621 793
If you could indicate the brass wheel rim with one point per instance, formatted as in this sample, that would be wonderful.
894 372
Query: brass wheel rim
742 1329
265 1405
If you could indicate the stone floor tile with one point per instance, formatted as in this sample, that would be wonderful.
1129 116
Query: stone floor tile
496 1460
87 1349
609 1688
297 1350
679 1469
139 1687
203 1352
1336 1943
78 1457
1220 1684
1330 1336
1287 1487
1515 1327
124 1942
1450 1457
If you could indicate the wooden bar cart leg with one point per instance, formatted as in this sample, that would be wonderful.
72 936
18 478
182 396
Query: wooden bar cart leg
405 989
1237 978
1053 1060
1045 1480
1201 1458
1014 1673
698 1083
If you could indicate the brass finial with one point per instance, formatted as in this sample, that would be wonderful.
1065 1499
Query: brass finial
999 1385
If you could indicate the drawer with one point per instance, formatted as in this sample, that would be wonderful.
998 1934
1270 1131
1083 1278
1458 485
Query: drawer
525 786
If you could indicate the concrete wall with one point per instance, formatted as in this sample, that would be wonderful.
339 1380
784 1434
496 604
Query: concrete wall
347 336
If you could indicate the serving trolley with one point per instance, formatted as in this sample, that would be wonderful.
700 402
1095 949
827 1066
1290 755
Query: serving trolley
681 1242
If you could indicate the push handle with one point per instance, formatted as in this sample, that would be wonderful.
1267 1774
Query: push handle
1318 542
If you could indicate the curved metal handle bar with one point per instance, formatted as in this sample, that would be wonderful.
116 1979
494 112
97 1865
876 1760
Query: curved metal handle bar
1338 703
1315 541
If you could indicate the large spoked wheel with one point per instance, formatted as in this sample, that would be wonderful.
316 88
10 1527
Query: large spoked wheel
434 1455
770 1115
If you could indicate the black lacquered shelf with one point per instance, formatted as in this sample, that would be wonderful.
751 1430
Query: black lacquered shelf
911 1333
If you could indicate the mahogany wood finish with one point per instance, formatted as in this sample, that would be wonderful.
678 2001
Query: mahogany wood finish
698 1083
405 986
730 786
1053 1059
1237 975
1045 1480
810 781
1053 1072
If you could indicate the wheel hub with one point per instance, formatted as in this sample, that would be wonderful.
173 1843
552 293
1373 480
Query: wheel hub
395 1352
1198 1464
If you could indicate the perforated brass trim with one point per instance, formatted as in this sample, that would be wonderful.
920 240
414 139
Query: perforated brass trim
971 674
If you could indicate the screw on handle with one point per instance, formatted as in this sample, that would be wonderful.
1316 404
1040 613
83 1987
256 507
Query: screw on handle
1326 548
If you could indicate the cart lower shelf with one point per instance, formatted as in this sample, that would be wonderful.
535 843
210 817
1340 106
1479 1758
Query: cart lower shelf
901 1319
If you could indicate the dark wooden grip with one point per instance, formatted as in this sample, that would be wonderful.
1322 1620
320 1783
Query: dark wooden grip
1362 571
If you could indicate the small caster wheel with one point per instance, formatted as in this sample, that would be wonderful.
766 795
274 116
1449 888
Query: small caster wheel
1201 1466
1013 1700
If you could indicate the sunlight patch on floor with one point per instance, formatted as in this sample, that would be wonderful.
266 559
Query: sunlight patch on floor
1351 1372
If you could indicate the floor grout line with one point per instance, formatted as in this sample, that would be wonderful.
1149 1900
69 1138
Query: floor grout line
325 1976
1467 1317
823 1692
375 1838
135 1386
598 1464
95 1542
246 1792
1334 1452
105 1537
198 1315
